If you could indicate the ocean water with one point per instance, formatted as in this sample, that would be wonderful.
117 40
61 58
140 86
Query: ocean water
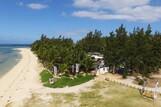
9 57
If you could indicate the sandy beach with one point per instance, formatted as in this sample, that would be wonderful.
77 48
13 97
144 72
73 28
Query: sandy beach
21 80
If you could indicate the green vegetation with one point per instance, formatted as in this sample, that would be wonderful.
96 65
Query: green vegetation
102 94
64 80
61 52
136 52
45 75
93 42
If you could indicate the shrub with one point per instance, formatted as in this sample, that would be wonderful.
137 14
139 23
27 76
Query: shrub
45 75
124 75
141 82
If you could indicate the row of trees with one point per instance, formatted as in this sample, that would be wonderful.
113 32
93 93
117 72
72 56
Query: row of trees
61 52
138 51
93 42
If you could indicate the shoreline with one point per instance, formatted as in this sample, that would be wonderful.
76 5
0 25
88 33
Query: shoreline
10 63
19 81
23 80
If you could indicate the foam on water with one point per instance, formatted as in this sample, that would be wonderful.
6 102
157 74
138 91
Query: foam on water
9 57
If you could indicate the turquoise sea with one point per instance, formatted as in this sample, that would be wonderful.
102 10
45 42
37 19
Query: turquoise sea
9 57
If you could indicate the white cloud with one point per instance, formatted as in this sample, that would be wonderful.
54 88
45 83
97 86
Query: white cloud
147 13
100 15
34 6
131 10
109 4
37 6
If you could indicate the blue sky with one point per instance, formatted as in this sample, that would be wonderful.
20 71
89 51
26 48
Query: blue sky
23 21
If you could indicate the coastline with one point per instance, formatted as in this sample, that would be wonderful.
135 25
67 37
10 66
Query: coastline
23 80
18 82
11 61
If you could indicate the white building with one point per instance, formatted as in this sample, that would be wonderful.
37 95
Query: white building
100 68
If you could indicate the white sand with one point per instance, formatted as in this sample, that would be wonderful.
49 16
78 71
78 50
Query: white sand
23 80
18 83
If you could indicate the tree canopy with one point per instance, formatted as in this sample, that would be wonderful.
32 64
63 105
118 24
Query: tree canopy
92 42
138 51
62 52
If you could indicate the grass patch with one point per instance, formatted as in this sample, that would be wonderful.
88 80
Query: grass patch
64 80
102 94
45 75
108 94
